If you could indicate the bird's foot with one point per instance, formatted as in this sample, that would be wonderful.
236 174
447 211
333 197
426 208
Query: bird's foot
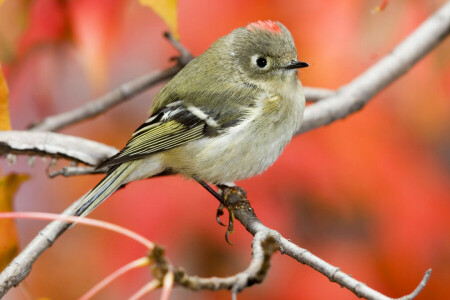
234 198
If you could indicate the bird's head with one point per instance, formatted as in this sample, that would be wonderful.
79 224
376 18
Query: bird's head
264 50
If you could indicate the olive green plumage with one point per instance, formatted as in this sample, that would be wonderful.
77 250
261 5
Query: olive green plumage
226 116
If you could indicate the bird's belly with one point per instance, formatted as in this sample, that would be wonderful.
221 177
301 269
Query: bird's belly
243 153
228 159
242 157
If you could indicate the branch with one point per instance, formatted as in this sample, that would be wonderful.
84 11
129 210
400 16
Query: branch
316 94
54 145
20 267
124 92
357 93
263 246
236 201
134 87
113 98
348 99
74 171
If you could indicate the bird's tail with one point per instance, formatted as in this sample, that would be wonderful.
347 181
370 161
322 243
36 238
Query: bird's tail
105 188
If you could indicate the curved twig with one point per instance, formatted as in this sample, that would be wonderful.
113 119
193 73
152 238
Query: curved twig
263 246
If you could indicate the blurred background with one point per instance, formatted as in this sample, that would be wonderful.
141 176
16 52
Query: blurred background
369 194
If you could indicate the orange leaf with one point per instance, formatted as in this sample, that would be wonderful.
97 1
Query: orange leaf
4 114
167 10
9 243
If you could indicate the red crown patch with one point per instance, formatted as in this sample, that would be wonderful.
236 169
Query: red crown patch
265 25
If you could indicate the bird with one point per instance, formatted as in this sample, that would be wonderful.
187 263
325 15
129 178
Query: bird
226 116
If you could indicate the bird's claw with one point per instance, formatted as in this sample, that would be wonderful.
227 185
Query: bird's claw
233 198
219 213
230 228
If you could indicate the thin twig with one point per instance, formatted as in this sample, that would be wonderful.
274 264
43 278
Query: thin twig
167 285
263 247
80 220
141 262
147 288
75 171
20 267
185 56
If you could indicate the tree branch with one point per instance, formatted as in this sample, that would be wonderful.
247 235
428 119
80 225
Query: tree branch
263 246
348 100
236 200
54 145
357 93
74 171
113 98
20 267
124 92
134 87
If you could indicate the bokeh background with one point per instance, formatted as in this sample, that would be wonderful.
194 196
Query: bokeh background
370 194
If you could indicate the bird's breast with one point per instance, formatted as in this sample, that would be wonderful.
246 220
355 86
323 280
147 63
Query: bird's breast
248 148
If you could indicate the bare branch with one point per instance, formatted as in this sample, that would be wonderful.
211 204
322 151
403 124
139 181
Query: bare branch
263 247
74 171
96 107
117 96
236 201
20 267
132 88
54 145
316 94
185 56
357 93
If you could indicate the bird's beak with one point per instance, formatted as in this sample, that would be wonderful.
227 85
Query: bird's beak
296 65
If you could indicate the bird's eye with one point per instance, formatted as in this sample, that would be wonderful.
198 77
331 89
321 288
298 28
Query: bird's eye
261 62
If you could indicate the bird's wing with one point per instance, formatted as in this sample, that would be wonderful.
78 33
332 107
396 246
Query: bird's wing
174 125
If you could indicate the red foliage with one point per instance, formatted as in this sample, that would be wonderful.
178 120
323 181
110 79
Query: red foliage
47 23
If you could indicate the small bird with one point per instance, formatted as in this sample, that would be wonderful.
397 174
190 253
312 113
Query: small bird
226 116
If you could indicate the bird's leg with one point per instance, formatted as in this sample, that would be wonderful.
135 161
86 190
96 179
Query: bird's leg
219 212
230 228
235 198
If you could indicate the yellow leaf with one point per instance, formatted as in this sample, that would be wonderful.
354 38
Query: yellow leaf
9 243
380 7
167 10
4 114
